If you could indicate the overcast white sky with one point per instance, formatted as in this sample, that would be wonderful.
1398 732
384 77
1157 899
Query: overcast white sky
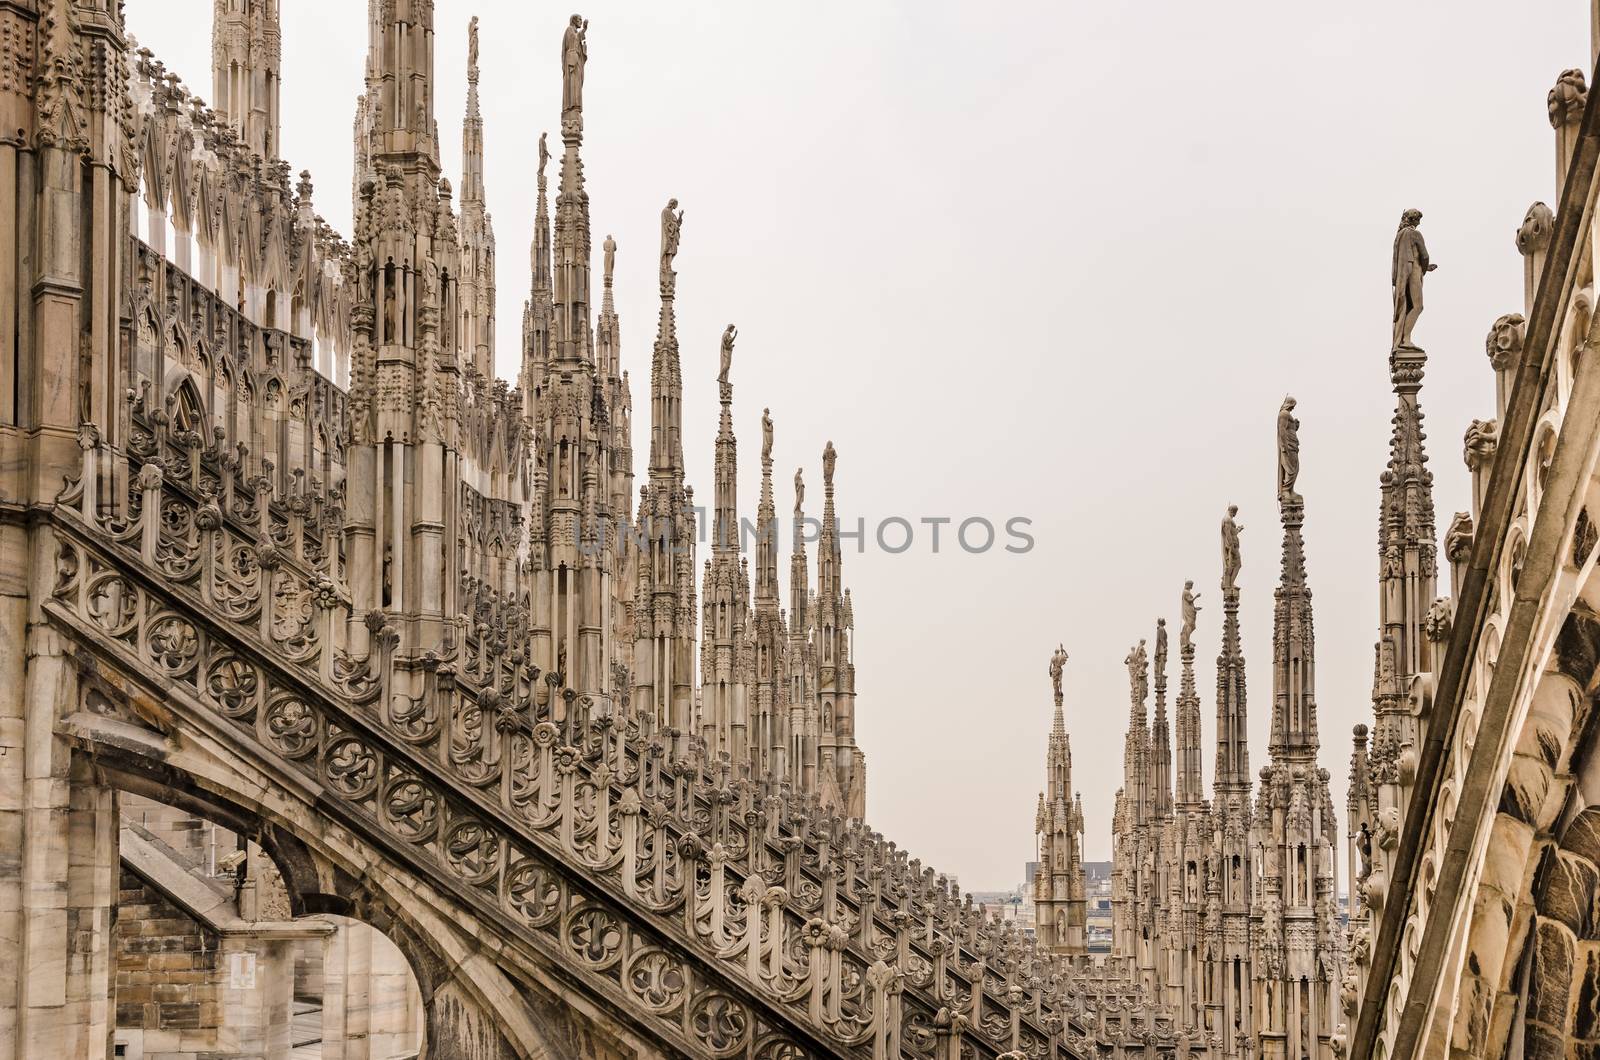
1043 259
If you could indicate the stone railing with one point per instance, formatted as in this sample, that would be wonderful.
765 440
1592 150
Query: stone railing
561 820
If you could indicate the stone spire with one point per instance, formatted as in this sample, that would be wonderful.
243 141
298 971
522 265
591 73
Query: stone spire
1190 793
400 82
801 668
1230 963
1293 931
1407 567
1294 700
571 339
841 779
1058 883
1233 720
769 691
472 190
574 556
477 290
246 70
665 603
666 370
725 721
1136 742
539 311
1160 734
619 406
405 373
1132 850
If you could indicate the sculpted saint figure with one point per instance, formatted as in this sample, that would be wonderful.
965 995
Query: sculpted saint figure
388 311
799 489
766 436
728 335
1191 612
829 457
1230 548
1058 662
574 54
1161 645
472 47
544 152
1410 265
1138 678
671 226
610 248
1288 452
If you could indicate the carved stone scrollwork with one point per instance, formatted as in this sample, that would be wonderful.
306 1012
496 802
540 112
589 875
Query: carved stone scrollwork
234 685
720 1023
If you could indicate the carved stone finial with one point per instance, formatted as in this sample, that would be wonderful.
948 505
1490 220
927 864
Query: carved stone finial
1458 537
1537 226
1566 100
1482 439
472 50
1504 342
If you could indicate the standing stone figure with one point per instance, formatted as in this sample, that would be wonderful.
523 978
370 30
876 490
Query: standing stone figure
1058 662
574 54
671 226
766 436
1230 549
1410 265
610 248
829 458
1138 678
544 152
1191 612
799 490
1161 645
728 335
1288 452
472 48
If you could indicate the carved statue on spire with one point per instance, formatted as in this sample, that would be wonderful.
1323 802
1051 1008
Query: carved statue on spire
1288 452
544 153
1409 266
1138 674
574 54
728 335
799 490
610 248
1058 662
1191 612
766 436
828 458
1161 645
472 50
1231 561
671 227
